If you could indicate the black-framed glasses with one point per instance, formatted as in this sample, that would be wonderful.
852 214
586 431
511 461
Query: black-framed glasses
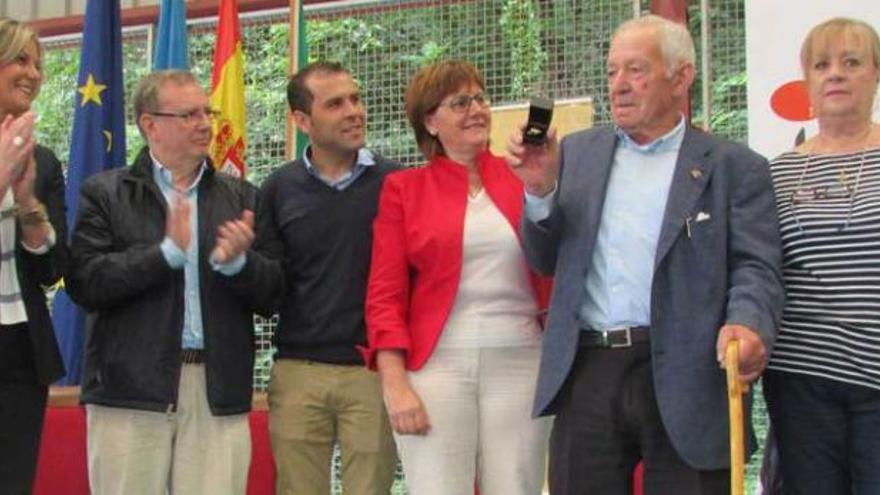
192 116
461 103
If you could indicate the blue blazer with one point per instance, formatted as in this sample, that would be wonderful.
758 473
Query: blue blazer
728 270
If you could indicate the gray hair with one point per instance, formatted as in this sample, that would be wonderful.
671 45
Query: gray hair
146 95
676 44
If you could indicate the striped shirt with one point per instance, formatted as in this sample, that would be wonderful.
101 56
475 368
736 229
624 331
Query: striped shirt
829 214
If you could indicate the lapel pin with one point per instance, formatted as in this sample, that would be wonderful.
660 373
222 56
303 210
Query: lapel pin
696 173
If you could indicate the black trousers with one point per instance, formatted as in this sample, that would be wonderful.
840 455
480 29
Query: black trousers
607 421
22 408
828 433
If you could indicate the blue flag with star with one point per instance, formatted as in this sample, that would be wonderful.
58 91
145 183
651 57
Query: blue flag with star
97 143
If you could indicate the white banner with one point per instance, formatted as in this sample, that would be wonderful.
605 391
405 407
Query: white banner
775 30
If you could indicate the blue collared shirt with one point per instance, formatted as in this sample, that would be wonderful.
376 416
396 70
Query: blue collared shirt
193 337
618 285
364 159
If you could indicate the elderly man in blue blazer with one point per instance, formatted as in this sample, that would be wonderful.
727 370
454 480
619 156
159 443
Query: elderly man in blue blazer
664 245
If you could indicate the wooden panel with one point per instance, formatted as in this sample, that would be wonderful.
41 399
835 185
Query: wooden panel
18 10
50 8
77 7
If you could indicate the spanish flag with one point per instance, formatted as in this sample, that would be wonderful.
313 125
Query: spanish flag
227 94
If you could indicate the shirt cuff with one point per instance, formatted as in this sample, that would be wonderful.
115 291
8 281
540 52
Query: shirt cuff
234 267
174 256
538 208
48 244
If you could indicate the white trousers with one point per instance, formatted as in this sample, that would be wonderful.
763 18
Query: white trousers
479 404
184 452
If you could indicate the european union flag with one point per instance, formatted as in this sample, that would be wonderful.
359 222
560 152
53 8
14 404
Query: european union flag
97 144
171 48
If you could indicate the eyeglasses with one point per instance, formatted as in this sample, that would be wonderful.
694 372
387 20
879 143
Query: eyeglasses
841 190
819 193
461 103
192 116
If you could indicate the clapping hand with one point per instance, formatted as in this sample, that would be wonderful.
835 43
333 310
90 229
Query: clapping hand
16 147
234 238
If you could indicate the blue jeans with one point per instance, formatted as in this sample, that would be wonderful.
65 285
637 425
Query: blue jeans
828 434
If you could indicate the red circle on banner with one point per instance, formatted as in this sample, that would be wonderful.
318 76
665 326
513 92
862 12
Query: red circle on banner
791 101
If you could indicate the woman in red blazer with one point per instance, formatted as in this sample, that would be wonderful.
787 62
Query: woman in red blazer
452 310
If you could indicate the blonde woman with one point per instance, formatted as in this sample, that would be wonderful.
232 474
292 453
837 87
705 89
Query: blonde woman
823 380
32 254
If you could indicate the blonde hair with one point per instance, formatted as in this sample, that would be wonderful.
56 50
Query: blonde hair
840 27
14 38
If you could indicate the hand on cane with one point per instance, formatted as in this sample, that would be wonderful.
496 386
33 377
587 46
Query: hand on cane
752 352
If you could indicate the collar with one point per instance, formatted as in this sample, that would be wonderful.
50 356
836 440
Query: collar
163 176
671 141
365 158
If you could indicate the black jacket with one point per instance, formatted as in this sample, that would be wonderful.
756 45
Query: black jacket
136 301
38 271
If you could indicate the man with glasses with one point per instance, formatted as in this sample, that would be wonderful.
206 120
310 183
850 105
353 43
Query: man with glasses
665 247
162 261
317 219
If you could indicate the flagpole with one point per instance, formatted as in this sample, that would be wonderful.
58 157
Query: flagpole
293 55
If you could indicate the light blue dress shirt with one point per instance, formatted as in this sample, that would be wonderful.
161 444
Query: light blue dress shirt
364 159
193 337
618 284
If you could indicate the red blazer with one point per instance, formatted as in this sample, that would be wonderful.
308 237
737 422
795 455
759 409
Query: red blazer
417 252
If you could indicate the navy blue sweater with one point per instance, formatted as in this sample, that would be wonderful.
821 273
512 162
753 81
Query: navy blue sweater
323 239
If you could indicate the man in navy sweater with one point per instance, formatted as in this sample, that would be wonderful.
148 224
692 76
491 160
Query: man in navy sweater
317 216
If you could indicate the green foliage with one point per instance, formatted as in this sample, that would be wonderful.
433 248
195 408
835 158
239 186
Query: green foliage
343 36
56 102
728 70
522 34
431 52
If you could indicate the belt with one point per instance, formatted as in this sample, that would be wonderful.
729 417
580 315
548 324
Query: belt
192 356
614 338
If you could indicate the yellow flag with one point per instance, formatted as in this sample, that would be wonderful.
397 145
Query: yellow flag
227 94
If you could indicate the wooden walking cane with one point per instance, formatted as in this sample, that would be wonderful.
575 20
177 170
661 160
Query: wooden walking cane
735 392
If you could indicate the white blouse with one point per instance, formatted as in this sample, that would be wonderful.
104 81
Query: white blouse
495 304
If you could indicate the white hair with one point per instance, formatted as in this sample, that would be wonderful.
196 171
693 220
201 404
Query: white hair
676 44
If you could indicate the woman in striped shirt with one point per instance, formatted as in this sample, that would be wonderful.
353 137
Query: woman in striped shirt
823 380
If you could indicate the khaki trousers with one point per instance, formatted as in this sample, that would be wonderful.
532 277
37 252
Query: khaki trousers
314 405
184 452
